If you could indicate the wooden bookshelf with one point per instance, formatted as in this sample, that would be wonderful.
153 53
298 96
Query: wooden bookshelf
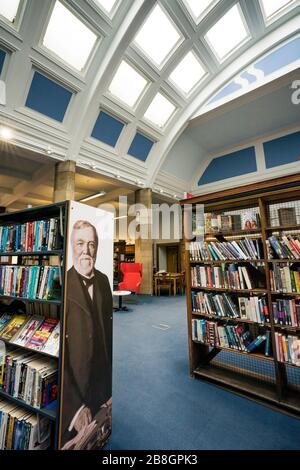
255 375
31 228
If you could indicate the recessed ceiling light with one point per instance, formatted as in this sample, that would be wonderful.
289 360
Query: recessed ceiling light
160 110
199 8
127 84
158 37
9 9
5 133
272 7
68 37
228 33
188 73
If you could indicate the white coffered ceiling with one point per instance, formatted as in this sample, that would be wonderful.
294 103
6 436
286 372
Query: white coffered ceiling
151 64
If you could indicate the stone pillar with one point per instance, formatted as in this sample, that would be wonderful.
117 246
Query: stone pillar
144 247
64 181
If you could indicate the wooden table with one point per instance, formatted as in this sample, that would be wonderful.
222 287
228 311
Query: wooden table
174 278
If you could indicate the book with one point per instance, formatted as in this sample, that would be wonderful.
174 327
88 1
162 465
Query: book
42 334
224 222
211 222
28 330
13 327
4 320
249 220
256 343
52 344
287 216
236 222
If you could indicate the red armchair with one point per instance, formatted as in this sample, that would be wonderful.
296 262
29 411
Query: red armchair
132 277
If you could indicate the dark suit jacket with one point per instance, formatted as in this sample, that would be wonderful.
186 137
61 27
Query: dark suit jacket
81 367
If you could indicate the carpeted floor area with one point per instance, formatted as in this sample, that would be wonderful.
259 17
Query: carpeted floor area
156 405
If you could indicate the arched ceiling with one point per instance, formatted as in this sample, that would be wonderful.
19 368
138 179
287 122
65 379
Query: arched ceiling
180 52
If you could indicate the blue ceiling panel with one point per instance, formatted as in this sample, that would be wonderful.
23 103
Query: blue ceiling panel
48 97
107 129
140 147
2 58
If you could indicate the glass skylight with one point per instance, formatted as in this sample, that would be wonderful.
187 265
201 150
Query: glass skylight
68 37
107 5
198 8
159 111
228 33
127 84
9 9
187 73
158 36
272 7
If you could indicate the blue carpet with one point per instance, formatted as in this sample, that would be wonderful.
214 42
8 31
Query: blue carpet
156 405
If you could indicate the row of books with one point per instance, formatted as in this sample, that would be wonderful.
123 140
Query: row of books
230 336
285 279
39 235
27 376
248 219
288 348
243 249
284 247
31 282
34 332
21 429
222 305
286 312
231 276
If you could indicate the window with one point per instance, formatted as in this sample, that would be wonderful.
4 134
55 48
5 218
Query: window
160 110
2 59
273 7
107 5
68 37
140 147
158 37
228 33
187 73
48 97
199 9
127 84
107 129
9 9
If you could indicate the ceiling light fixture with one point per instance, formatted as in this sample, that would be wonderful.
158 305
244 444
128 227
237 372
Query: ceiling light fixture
6 133
93 196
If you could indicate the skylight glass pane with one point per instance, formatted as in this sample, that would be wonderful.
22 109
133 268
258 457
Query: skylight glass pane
127 84
187 73
227 33
107 5
160 110
9 8
271 7
68 37
198 7
158 36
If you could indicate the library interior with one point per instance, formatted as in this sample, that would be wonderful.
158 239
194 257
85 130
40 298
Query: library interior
150 225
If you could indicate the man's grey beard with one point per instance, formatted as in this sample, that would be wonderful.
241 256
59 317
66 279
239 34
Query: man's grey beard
79 269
